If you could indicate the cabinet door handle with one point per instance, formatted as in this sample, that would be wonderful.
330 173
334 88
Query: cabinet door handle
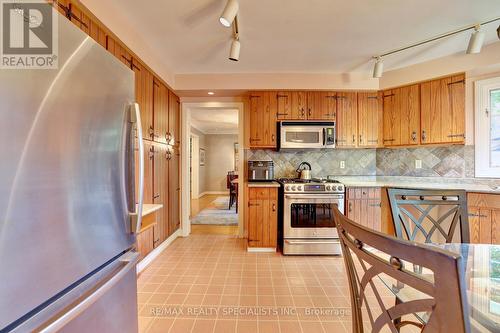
350 207
303 112
375 205
424 135
281 114
360 138
309 113
389 140
456 135
353 138
274 207
414 136
253 204
156 196
273 138
477 215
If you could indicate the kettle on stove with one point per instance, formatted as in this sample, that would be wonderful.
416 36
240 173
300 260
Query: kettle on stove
304 171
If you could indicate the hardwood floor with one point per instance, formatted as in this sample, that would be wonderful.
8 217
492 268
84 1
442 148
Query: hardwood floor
205 229
197 205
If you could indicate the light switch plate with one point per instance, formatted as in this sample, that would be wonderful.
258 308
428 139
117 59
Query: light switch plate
342 164
418 164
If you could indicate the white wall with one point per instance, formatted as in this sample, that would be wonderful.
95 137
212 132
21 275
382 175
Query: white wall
202 171
220 160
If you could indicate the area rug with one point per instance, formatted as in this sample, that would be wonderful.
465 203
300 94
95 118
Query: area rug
216 213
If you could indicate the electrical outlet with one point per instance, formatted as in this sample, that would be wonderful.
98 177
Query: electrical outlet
342 164
418 164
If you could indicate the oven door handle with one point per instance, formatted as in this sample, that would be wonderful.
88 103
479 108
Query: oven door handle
314 196
299 242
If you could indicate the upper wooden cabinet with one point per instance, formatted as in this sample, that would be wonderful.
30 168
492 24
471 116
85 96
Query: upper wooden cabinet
443 110
299 105
370 119
263 110
144 97
284 105
402 116
174 118
321 105
347 119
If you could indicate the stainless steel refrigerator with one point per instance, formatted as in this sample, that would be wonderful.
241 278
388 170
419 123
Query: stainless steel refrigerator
68 212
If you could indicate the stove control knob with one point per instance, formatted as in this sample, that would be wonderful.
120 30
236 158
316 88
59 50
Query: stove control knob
328 188
293 188
341 188
287 188
299 188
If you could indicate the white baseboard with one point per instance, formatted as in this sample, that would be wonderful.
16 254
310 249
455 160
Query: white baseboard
213 192
261 249
156 252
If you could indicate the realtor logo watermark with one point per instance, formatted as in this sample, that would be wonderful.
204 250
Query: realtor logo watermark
29 35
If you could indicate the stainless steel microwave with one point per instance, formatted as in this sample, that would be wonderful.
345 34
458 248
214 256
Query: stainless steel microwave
306 134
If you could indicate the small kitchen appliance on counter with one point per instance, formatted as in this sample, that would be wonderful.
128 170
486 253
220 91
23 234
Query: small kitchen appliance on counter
260 171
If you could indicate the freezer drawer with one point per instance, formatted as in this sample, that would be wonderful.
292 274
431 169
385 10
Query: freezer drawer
106 302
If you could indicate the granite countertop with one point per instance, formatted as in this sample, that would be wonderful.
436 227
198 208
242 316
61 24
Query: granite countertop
264 184
469 185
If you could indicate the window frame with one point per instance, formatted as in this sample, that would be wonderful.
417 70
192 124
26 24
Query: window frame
482 130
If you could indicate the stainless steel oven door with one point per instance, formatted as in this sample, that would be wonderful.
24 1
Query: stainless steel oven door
297 136
310 215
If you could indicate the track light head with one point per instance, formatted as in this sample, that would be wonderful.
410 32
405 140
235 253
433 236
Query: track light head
234 54
378 68
476 41
229 13
498 32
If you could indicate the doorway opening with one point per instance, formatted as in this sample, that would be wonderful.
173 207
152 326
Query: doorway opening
214 170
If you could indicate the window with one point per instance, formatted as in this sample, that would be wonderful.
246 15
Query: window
487 131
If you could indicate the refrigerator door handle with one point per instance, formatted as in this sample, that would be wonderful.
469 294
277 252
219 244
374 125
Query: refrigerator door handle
129 260
136 215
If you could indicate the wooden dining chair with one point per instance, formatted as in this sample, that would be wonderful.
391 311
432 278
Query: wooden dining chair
369 254
430 216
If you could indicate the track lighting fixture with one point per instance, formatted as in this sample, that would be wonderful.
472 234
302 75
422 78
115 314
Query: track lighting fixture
476 40
234 54
498 32
378 68
229 13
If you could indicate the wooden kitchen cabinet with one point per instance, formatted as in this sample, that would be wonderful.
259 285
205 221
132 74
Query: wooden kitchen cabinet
160 111
347 119
484 218
321 105
370 119
174 191
148 172
364 206
144 97
262 217
161 195
443 110
402 116
174 118
284 105
299 105
145 241
263 121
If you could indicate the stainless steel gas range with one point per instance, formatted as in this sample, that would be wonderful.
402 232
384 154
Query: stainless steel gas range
308 226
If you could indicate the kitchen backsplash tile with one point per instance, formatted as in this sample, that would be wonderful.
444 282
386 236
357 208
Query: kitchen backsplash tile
450 161
358 162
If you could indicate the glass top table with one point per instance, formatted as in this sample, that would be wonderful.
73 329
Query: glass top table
482 277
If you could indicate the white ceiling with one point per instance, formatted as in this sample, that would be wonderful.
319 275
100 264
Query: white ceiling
215 120
301 36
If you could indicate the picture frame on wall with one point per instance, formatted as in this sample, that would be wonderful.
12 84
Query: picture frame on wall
202 156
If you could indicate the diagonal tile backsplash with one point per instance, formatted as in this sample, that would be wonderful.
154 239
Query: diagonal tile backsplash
450 161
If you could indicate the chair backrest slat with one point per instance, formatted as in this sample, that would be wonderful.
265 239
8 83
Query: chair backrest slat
369 254
437 216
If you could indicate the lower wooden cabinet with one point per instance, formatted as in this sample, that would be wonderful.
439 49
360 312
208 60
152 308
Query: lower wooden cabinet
484 218
145 242
369 206
262 217
364 206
